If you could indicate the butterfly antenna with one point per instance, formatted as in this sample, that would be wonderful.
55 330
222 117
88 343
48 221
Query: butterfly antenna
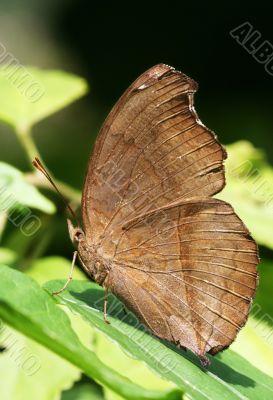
38 165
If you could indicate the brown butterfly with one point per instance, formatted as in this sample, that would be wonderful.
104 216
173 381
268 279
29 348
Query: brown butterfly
181 260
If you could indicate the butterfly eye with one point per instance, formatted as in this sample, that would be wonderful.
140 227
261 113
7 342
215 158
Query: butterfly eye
78 235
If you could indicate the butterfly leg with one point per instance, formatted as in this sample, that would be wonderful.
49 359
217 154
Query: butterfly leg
70 275
105 306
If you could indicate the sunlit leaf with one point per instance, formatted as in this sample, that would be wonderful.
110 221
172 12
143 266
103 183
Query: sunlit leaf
249 189
31 310
112 355
22 379
26 367
29 94
53 267
230 376
58 267
16 192
255 341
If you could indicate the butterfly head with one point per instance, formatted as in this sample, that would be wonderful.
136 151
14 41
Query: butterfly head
76 233
92 263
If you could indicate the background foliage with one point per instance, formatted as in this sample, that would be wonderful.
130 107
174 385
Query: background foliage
61 344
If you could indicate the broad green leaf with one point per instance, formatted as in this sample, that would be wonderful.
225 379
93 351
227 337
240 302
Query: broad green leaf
28 95
249 189
49 371
17 193
112 355
255 341
25 306
26 367
57 268
255 344
229 377
53 267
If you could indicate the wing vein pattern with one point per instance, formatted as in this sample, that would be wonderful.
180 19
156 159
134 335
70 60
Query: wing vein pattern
180 259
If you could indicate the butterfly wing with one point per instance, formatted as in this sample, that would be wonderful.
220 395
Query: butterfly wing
152 149
188 271
182 261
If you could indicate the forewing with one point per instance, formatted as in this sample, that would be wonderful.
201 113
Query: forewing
152 149
188 271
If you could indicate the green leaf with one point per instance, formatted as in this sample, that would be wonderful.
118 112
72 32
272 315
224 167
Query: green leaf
229 377
58 267
253 344
249 189
33 311
49 371
255 341
29 94
26 367
53 267
112 355
16 192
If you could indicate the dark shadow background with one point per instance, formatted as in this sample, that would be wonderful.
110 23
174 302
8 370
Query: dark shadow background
116 43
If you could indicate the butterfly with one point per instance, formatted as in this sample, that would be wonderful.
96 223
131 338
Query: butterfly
182 261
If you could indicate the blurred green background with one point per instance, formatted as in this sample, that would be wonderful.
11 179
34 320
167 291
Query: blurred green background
110 44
